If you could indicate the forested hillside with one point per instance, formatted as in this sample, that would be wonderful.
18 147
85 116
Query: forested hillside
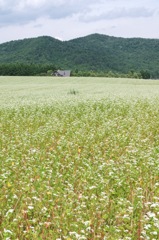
97 53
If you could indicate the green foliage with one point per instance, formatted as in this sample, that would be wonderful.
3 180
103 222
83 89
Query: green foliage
145 74
110 74
25 69
73 92
96 53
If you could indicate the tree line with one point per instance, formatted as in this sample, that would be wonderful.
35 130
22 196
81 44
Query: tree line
22 69
143 74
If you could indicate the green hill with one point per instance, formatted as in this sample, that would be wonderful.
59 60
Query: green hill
94 52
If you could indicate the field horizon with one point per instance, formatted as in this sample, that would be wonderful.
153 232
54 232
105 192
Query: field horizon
28 90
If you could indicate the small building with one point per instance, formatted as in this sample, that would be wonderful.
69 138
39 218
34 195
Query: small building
62 73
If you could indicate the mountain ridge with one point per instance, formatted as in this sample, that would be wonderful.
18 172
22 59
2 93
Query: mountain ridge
94 52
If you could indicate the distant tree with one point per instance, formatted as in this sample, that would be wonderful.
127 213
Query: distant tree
145 74
49 72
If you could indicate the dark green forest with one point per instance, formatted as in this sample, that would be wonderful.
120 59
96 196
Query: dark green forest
93 55
26 69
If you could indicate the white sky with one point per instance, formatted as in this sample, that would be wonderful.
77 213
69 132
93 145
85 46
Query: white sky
68 19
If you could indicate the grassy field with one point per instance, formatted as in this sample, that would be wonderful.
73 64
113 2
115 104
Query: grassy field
79 159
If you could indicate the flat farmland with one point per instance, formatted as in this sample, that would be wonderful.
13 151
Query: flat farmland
79 158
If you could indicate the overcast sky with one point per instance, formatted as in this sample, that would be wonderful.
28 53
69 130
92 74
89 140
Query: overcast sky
68 19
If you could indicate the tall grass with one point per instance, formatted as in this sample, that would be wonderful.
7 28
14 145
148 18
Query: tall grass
83 166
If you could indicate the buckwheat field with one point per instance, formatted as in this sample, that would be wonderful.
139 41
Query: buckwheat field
79 159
